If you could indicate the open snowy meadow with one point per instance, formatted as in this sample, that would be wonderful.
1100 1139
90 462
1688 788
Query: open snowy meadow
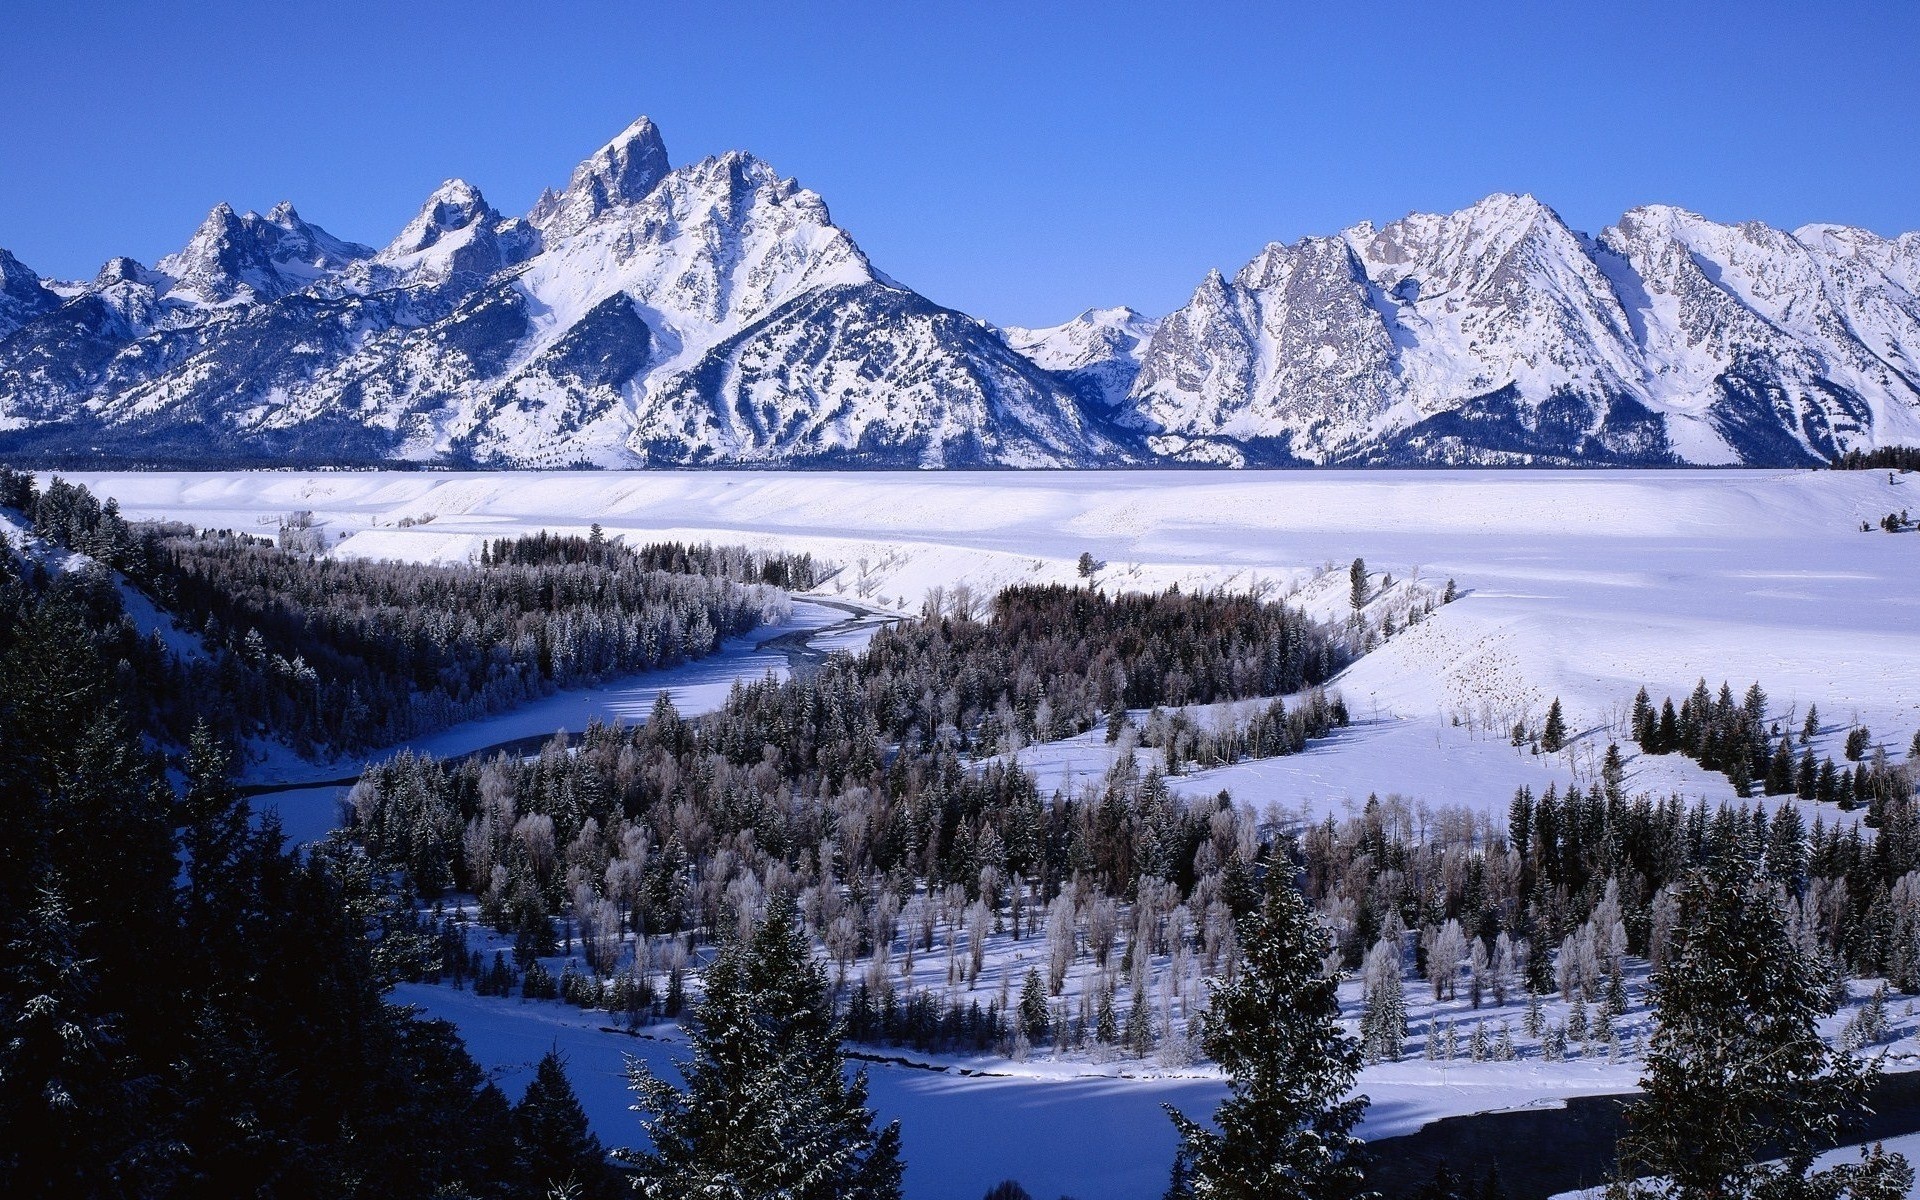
1580 586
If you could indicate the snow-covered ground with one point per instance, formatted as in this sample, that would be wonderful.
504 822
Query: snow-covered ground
1078 1127
1577 585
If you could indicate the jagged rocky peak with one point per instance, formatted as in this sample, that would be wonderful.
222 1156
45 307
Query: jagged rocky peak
620 173
122 269
16 278
245 256
457 233
453 206
22 295
1289 359
712 245
1464 249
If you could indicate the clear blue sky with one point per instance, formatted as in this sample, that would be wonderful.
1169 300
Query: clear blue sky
1020 161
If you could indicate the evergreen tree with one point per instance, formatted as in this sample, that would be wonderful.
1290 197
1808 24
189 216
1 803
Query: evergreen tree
1445 1185
1357 584
1553 735
1737 1068
1286 1128
558 1153
1613 774
1643 721
1034 1020
768 1109
1667 733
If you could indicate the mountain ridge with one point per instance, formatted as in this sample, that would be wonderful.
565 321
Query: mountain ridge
714 314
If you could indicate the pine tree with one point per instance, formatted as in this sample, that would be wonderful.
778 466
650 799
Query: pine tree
1286 1128
1357 584
1034 1021
558 1153
1445 1185
1667 733
1737 1067
768 1109
1553 735
1613 774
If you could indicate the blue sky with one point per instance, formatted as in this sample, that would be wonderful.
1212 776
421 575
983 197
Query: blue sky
1018 161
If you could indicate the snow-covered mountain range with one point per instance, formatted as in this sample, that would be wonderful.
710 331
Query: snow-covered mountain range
714 314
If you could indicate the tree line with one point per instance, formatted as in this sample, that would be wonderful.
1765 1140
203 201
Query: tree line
335 655
1736 739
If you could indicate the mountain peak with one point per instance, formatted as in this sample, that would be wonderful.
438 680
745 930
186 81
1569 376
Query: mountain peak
232 255
22 295
619 173
12 269
453 206
457 233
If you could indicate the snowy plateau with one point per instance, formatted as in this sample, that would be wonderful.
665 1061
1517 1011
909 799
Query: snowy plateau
1576 585
713 314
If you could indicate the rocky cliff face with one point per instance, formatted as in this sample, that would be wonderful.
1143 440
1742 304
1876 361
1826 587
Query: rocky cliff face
1498 335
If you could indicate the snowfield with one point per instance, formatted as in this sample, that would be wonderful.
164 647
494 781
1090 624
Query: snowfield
1579 584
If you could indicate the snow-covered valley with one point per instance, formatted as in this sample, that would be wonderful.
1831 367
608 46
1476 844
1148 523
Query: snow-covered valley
1571 585
1577 584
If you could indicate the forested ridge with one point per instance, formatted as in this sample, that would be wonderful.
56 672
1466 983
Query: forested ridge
336 655
190 1009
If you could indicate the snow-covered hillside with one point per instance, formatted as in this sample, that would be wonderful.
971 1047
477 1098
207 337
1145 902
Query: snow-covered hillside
713 313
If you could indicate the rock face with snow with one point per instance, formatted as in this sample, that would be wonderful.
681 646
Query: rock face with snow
1099 350
645 315
23 297
713 313
1498 335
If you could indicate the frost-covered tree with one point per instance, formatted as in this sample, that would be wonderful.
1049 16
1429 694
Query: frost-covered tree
1383 1022
1737 1069
768 1108
1062 941
1446 946
1286 1128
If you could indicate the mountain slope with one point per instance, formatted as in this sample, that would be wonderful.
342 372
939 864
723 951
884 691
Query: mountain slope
1099 350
